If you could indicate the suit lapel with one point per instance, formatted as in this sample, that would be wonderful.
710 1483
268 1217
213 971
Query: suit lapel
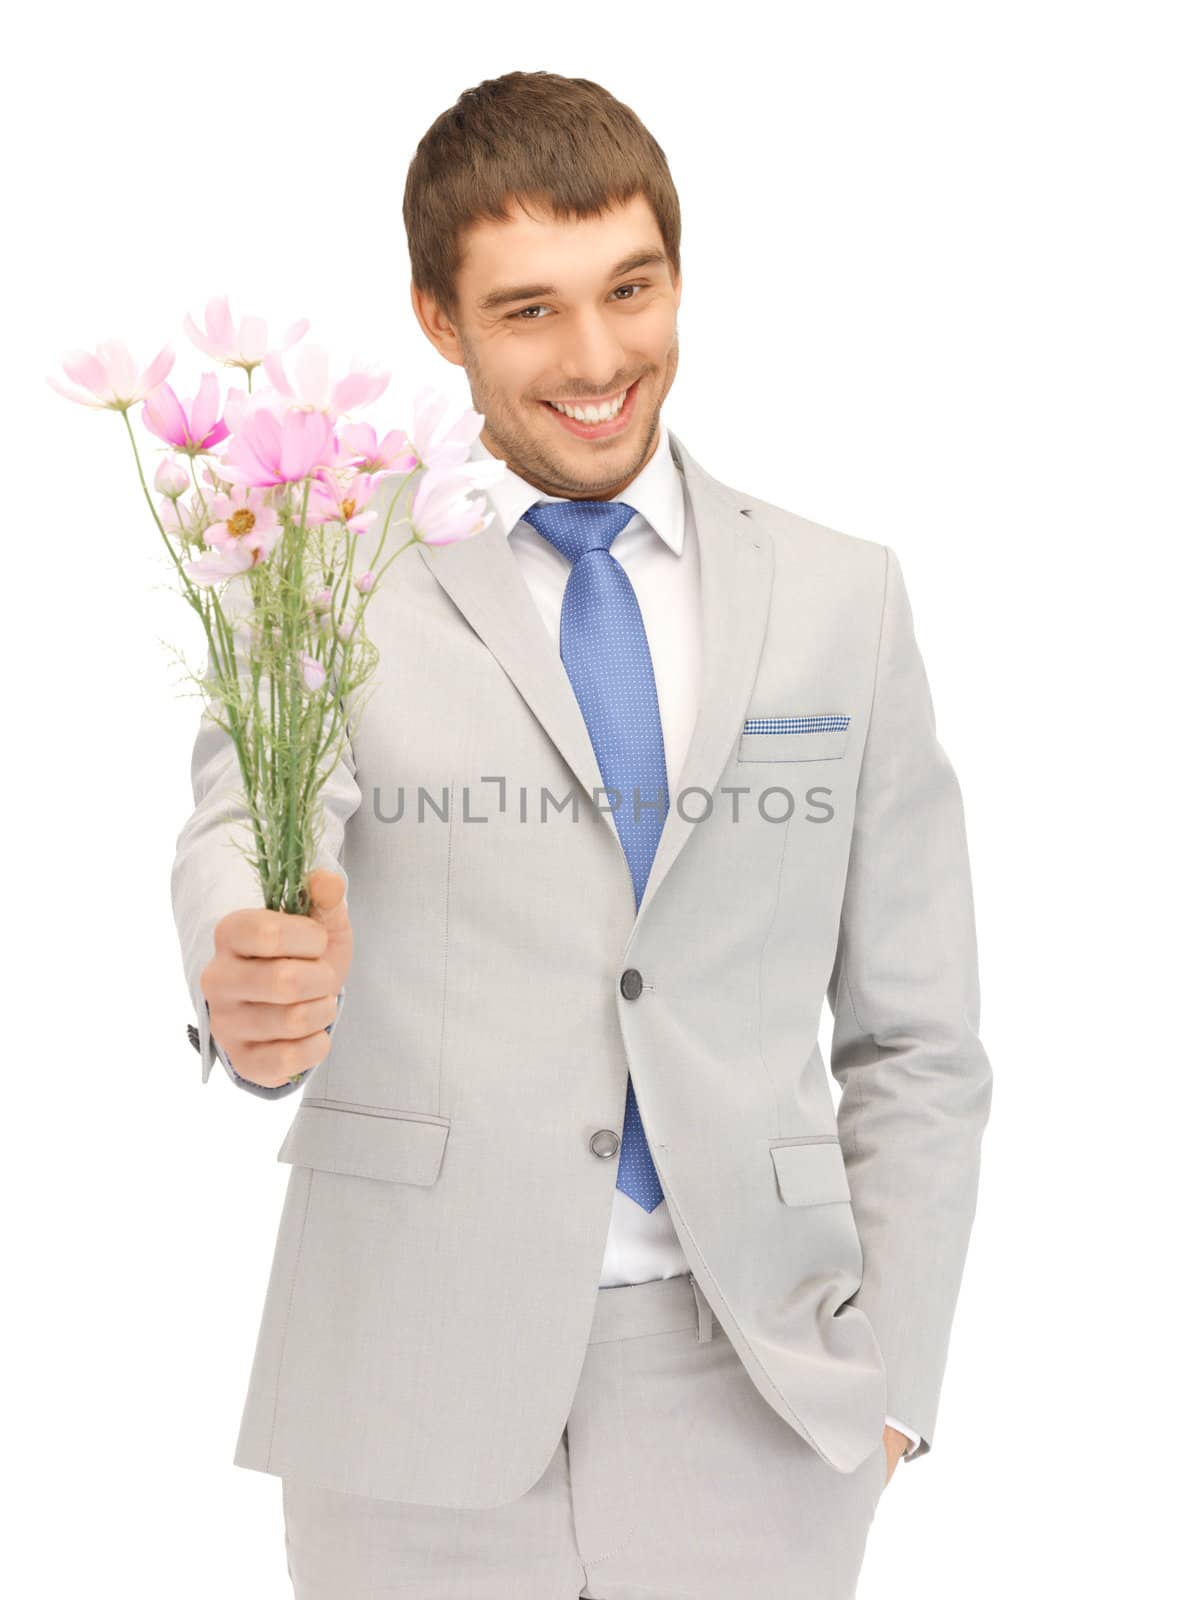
736 566
482 577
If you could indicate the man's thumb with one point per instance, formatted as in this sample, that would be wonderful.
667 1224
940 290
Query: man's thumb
327 898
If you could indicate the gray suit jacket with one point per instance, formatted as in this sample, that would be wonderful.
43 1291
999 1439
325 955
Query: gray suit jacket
444 1157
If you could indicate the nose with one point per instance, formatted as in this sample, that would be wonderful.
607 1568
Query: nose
591 353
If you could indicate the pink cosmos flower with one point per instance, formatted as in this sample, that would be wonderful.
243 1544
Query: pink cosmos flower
241 407
193 429
110 377
437 444
268 449
444 508
244 517
313 390
331 501
359 446
243 346
218 565
243 535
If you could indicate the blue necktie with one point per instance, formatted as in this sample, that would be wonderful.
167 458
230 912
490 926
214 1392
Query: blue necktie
602 641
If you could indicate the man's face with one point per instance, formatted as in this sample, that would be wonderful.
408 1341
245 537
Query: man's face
544 316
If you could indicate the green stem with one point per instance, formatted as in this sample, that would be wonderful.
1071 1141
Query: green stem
201 600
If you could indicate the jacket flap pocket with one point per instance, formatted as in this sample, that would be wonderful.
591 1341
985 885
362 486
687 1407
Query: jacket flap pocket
366 1141
810 1173
815 744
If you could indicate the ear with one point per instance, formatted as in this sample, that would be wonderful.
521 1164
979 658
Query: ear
436 325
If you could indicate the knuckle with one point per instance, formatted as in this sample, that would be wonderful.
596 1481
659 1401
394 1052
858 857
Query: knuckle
299 1055
299 1019
250 1062
272 933
283 981
273 1069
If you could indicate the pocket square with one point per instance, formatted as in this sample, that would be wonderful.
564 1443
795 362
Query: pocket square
822 724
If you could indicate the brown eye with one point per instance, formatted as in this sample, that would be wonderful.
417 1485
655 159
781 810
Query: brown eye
522 314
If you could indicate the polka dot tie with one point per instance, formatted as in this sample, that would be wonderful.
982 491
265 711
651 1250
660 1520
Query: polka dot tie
602 641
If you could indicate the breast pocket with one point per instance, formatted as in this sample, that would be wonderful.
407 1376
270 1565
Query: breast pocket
815 738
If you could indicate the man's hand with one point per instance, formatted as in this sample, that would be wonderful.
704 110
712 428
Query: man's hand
273 982
895 1443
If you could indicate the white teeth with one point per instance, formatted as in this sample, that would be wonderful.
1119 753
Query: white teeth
593 413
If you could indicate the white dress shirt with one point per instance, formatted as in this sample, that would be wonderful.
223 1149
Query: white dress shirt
657 548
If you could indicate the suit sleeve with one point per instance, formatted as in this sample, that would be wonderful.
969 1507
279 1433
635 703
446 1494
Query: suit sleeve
916 1082
211 877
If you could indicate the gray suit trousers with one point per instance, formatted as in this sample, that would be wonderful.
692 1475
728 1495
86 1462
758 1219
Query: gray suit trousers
673 1480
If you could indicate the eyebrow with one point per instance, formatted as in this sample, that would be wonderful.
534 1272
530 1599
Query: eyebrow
533 291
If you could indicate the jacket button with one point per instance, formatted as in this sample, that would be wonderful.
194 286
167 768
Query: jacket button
604 1143
631 983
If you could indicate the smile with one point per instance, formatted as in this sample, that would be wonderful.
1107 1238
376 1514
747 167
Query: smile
596 421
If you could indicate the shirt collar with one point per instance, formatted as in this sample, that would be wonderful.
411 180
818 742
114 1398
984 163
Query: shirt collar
656 493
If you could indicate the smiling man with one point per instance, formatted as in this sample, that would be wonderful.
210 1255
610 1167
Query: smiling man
584 1285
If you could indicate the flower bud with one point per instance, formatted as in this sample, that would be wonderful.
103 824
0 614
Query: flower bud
311 670
170 478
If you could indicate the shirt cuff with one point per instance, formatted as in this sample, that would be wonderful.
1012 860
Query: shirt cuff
910 1433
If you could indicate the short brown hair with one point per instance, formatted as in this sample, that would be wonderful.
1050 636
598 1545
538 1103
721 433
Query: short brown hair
564 144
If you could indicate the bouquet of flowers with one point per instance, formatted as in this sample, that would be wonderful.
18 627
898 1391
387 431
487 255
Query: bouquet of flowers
262 542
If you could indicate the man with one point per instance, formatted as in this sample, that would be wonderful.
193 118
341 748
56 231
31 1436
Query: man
582 1284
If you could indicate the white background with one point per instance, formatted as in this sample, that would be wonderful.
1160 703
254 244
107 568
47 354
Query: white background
940 291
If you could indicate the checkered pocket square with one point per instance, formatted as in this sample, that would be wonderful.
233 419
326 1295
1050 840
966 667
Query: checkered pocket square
807 738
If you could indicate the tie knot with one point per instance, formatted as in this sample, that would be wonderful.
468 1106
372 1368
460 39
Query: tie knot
577 526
